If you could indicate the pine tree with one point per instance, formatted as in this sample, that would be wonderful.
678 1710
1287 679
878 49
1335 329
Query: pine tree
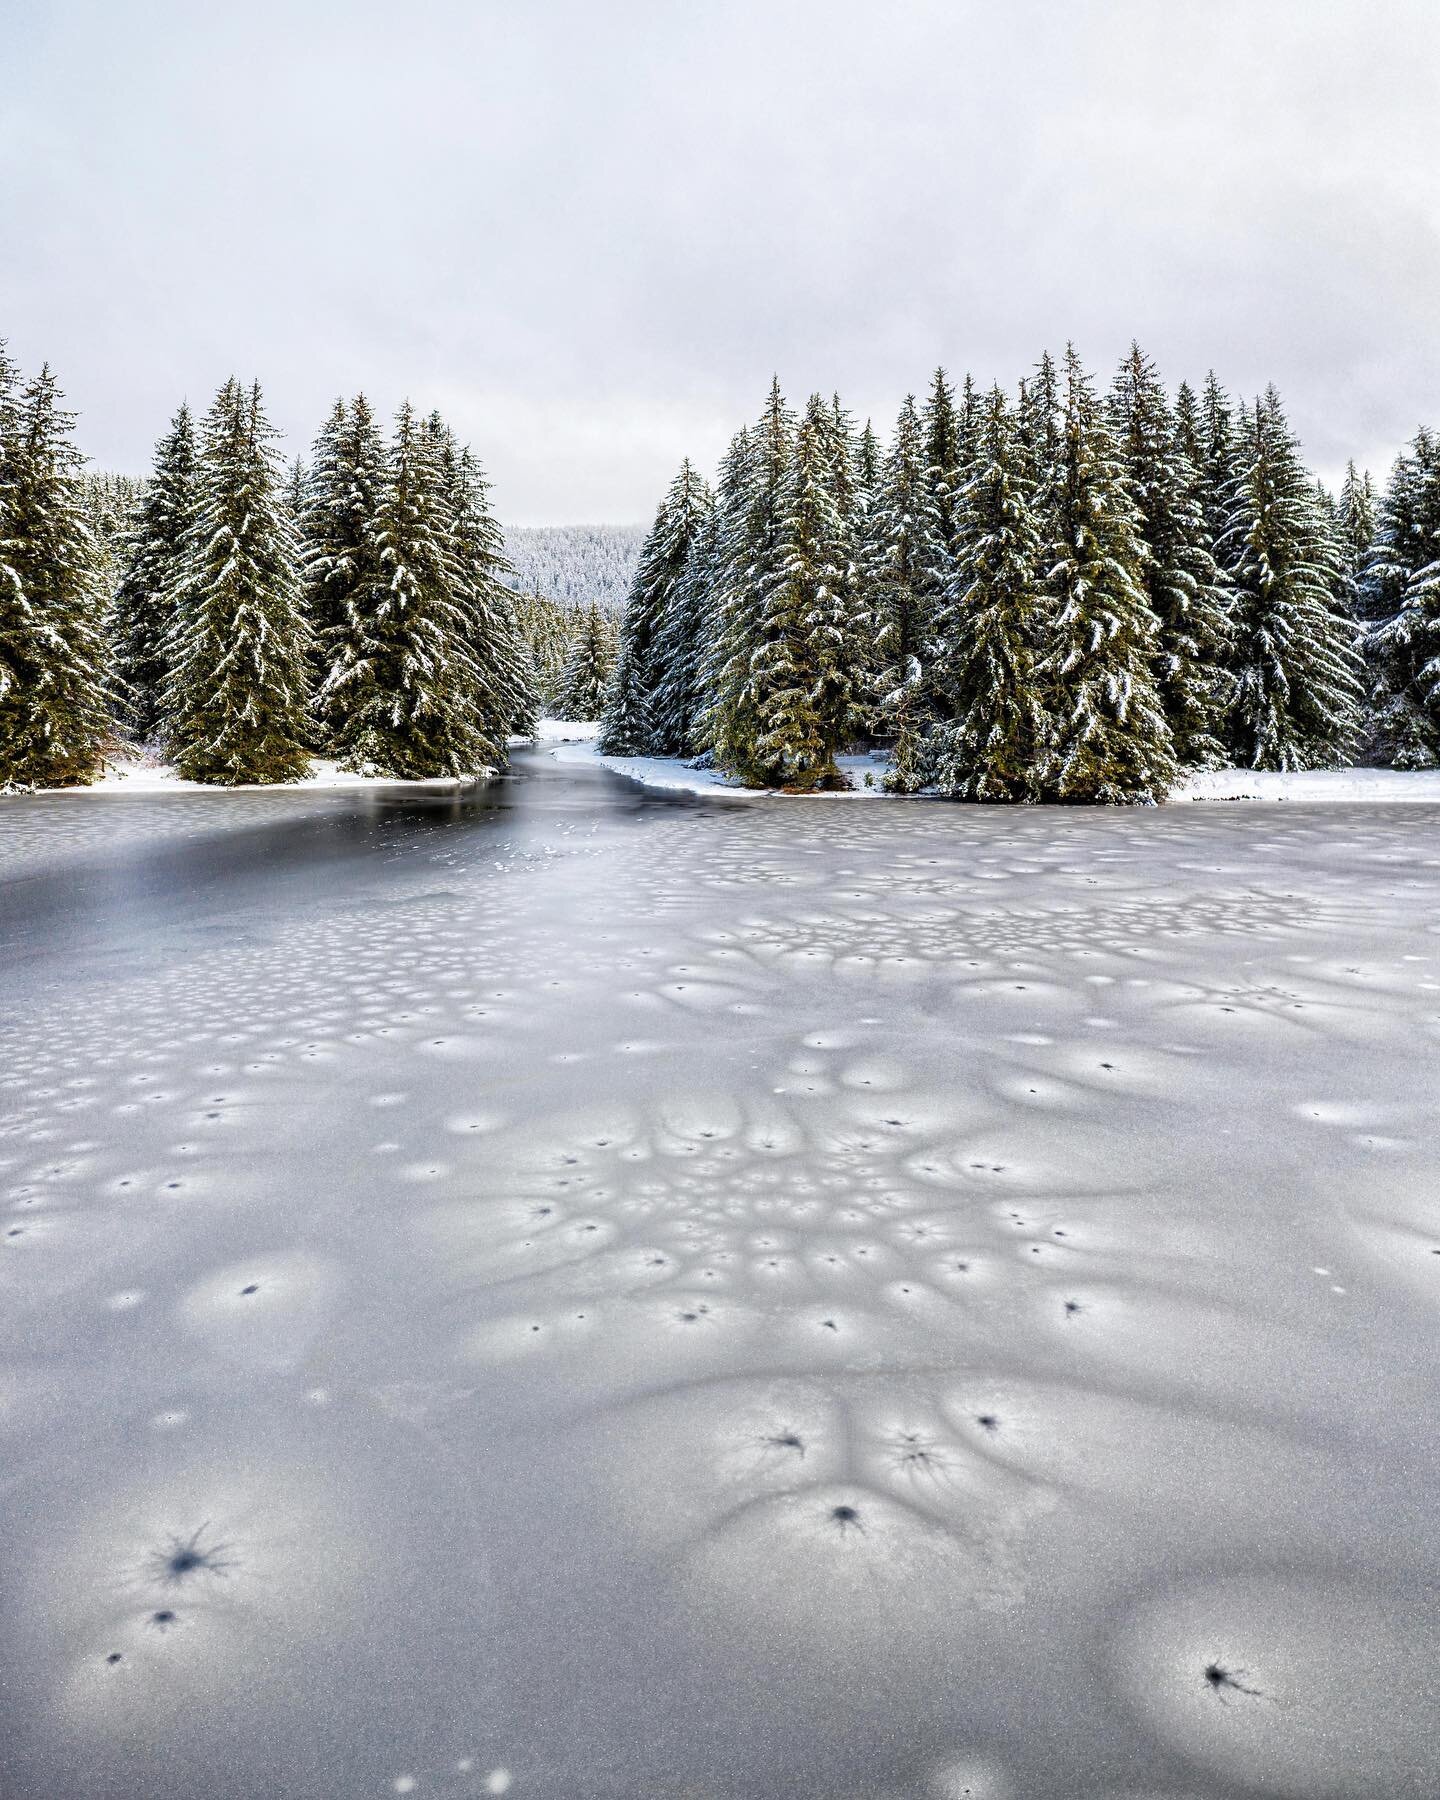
1112 740
342 496
1358 521
752 558
1297 703
1214 459
502 699
545 630
943 466
1402 574
677 705
726 603
153 553
587 668
235 704
53 711
404 685
627 727
1183 587
904 560
798 689
991 634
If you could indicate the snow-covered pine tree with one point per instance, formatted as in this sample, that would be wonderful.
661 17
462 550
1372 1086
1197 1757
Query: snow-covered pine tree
943 470
753 553
297 487
504 700
1183 587
236 699
995 741
347 476
1214 458
969 421
403 683
546 629
869 462
729 626
797 691
677 705
1297 699
1112 741
587 669
1403 644
1358 509
1399 546
153 553
54 716
904 561
627 727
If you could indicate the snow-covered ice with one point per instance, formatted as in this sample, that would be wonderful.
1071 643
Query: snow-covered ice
560 1289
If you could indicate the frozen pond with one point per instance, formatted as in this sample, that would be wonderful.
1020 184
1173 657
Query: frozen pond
565 1292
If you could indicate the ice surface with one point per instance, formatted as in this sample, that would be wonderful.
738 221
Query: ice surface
564 1290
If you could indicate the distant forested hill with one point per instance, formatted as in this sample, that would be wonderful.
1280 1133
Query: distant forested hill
578 565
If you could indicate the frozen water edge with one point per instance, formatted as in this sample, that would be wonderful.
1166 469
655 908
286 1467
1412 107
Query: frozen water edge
126 776
574 744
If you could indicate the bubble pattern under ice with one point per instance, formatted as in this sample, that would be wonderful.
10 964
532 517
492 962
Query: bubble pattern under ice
599 1296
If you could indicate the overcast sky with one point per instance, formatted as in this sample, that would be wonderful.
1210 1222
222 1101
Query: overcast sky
589 232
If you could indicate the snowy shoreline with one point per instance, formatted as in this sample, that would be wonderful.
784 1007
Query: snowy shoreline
123 776
575 744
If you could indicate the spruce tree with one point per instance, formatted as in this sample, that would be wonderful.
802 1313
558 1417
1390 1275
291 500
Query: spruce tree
235 704
798 691
726 605
1214 458
53 705
904 561
1358 521
752 559
1112 741
503 701
1183 587
677 705
991 638
586 674
404 688
943 465
342 495
627 727
1403 644
153 554
1297 701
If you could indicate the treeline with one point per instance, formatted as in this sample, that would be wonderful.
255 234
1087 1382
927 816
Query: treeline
575 565
572 653
1055 596
245 617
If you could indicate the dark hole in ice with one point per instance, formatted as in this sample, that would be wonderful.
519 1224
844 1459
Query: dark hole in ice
253 1288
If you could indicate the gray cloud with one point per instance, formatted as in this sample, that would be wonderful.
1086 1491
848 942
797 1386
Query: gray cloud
591 231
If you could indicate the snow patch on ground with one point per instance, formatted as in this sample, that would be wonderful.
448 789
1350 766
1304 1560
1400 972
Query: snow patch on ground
670 773
138 776
1387 786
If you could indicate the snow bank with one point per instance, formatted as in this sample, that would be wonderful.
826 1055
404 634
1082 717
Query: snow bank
1382 786
669 773
575 744
140 777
